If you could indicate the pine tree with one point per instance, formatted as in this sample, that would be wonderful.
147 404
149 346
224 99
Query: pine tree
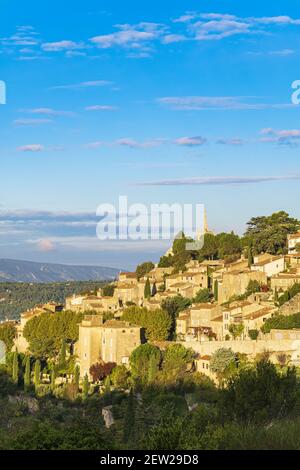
37 373
77 377
147 290
15 368
216 290
86 387
53 377
27 375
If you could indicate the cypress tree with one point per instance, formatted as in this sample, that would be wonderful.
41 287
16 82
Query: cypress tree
216 290
250 257
107 384
152 371
129 419
86 387
37 373
276 295
27 375
147 290
77 377
53 377
154 290
62 354
15 368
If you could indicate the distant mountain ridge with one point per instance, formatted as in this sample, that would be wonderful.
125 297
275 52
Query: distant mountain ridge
30 271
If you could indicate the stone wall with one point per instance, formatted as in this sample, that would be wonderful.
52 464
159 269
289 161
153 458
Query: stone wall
249 347
291 307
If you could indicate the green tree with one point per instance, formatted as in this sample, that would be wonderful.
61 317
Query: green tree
129 420
228 244
210 247
202 296
15 368
140 360
250 257
108 290
86 387
253 334
37 374
144 268
8 334
236 329
147 289
269 233
62 356
223 363
260 393
53 377
119 376
157 323
77 377
216 290
176 360
154 290
27 375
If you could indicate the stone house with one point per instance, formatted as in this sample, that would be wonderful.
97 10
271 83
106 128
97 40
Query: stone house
112 341
284 281
235 283
271 266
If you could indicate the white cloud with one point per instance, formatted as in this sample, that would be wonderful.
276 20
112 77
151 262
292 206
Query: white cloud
88 84
31 122
45 245
220 180
283 52
47 112
128 142
234 141
190 141
31 148
101 107
130 36
197 103
61 46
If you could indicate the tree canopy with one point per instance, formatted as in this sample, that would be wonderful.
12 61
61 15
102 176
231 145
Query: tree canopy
269 233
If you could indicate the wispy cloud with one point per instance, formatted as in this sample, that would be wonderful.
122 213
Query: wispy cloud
31 122
190 141
128 142
235 141
288 137
88 84
101 107
47 112
200 103
130 36
62 46
31 148
219 180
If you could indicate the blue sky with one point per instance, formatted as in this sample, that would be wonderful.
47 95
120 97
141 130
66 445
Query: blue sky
106 97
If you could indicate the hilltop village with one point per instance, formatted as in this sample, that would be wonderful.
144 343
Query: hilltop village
204 303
